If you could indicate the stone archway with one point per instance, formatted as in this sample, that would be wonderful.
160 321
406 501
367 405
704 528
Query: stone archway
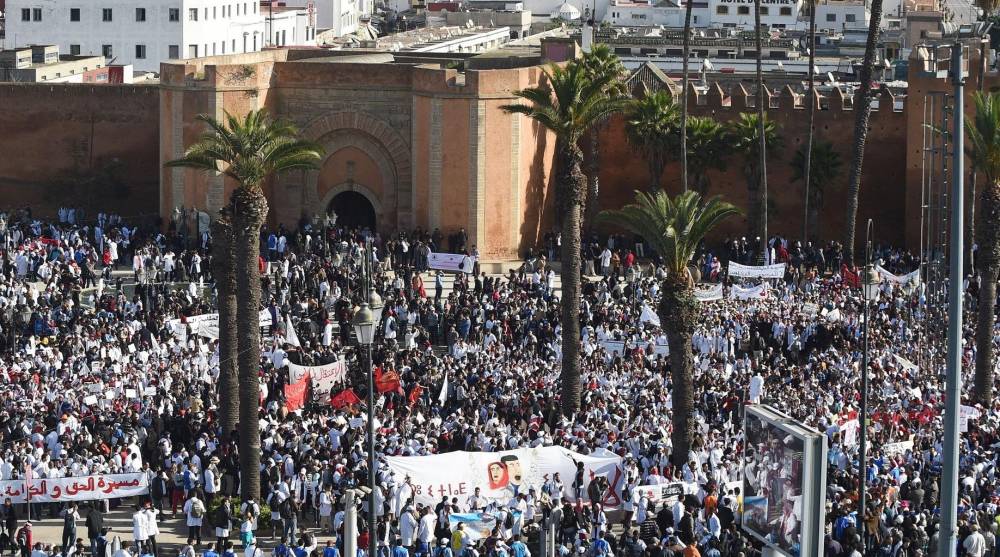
389 151
351 187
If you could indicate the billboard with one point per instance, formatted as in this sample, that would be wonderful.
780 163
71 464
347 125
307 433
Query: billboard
784 482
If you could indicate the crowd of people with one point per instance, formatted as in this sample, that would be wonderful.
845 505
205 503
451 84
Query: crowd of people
90 306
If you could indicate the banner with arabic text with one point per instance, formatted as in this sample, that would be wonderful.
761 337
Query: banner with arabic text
80 488
913 276
207 324
755 293
775 271
323 378
457 262
708 292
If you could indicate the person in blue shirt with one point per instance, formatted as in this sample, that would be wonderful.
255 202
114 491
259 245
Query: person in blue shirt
300 549
210 552
281 550
331 549
228 551
442 549
398 550
519 549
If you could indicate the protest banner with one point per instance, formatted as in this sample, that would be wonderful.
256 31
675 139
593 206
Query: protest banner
913 276
456 262
502 475
663 493
775 271
478 525
295 395
207 324
80 488
323 378
966 413
892 449
741 293
708 292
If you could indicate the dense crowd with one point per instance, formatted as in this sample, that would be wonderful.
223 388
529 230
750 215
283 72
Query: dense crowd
476 357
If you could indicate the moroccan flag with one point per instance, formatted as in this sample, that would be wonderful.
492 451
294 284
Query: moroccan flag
388 381
849 277
344 398
295 395
415 394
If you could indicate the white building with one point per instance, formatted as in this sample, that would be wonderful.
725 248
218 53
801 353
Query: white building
778 14
138 32
644 14
284 26
842 15
340 16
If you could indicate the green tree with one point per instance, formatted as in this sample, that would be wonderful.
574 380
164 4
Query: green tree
862 113
569 104
673 227
744 133
651 128
708 148
823 167
600 62
249 151
983 147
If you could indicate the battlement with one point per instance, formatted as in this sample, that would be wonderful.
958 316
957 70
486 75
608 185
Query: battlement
786 99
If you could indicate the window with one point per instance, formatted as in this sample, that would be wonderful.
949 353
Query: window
106 14
175 14
831 17
25 14
192 14
140 51
74 49
764 10
849 18
36 14
174 52
140 14
786 11
74 14
743 10
722 10
192 51
106 51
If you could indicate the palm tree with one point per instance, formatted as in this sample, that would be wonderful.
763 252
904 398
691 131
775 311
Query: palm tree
761 229
823 167
569 105
601 61
745 135
708 148
983 149
248 150
651 128
225 288
810 119
862 113
685 83
674 227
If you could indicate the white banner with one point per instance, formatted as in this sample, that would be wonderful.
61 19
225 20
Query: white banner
456 262
758 292
966 413
890 449
775 271
649 316
324 378
913 276
612 346
663 493
501 476
207 324
80 488
708 292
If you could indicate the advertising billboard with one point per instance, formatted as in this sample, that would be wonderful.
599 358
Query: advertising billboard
784 482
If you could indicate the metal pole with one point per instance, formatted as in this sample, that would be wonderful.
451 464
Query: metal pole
373 526
953 388
863 415
350 525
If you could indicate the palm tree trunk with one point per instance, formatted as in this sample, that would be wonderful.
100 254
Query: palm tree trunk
761 230
592 207
988 238
572 182
754 203
862 113
701 183
688 5
678 312
813 218
225 287
810 114
655 166
249 212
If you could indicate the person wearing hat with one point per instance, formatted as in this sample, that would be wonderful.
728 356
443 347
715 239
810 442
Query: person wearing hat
443 549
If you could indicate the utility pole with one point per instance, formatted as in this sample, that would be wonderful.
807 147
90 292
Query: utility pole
953 386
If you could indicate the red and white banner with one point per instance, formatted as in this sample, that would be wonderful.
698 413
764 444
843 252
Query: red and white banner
322 378
80 488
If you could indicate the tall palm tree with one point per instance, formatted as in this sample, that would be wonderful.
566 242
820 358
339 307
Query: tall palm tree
248 150
983 148
651 128
761 229
569 103
708 149
674 227
810 119
225 290
601 61
862 113
685 83
744 132
822 167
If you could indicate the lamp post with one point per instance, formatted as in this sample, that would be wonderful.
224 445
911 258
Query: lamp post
869 292
364 329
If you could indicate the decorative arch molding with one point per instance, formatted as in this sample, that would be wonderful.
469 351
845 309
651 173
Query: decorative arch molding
389 150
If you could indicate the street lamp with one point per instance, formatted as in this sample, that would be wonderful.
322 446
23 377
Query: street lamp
869 293
364 329
376 305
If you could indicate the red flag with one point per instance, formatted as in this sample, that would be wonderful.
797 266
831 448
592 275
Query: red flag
388 381
344 398
415 394
849 277
295 395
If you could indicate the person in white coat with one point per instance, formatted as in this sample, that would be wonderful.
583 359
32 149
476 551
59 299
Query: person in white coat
139 533
326 510
408 528
195 510
152 527
425 532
